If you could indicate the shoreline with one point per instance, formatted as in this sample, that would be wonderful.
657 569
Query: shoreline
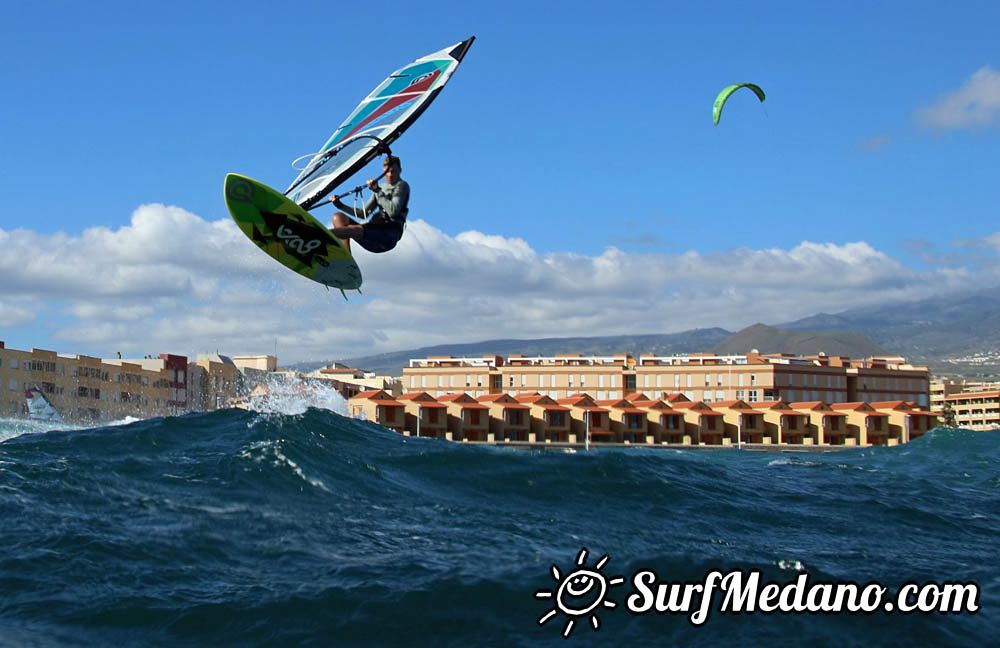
748 447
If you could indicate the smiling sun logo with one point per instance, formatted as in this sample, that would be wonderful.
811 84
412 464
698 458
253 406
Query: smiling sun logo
579 593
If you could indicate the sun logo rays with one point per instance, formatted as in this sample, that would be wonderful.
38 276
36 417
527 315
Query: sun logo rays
579 593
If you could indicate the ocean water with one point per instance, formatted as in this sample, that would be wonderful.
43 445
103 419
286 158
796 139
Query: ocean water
296 525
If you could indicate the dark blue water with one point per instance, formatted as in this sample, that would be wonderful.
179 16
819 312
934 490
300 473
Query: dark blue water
237 528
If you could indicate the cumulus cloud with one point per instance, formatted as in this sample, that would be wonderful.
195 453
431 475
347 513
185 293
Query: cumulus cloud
15 312
975 105
170 281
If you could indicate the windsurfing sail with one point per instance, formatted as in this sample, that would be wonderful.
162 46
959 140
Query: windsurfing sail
377 121
39 407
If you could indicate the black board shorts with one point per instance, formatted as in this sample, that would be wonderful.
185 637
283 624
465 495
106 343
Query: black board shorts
380 237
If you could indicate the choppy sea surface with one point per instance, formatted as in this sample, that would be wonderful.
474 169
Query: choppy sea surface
297 525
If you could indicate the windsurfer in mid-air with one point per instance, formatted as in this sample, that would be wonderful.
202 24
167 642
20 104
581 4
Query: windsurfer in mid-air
388 208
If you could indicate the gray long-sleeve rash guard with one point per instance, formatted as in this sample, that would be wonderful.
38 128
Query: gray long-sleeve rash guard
392 202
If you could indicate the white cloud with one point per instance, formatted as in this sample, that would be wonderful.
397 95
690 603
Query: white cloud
173 282
975 105
15 312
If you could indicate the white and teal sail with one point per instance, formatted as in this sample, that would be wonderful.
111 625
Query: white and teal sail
39 407
380 118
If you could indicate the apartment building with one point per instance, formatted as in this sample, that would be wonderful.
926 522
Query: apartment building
535 419
88 389
977 410
709 378
215 382
349 381
942 388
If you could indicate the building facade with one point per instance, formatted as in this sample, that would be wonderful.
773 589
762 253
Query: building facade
977 410
88 389
536 419
700 377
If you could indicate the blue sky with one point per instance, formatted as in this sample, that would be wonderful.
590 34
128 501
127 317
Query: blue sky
574 139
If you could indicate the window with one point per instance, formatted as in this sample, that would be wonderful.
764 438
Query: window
645 381
708 380
753 379
423 381
468 380
510 380
13 363
739 380
677 381
720 395
583 382
553 383
689 378
13 385
600 380
752 396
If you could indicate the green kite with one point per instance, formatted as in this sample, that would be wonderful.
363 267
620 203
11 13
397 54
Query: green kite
720 101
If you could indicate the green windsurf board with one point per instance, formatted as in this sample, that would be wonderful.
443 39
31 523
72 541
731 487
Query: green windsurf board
289 234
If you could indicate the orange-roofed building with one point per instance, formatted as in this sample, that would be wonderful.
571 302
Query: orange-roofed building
782 424
663 422
509 420
865 425
906 421
380 407
823 424
702 424
587 418
550 421
468 419
628 422
425 416
743 423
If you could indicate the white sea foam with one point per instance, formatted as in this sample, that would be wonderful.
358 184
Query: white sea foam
293 396
792 565
10 428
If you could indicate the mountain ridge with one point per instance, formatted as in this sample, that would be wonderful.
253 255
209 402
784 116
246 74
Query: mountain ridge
943 332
